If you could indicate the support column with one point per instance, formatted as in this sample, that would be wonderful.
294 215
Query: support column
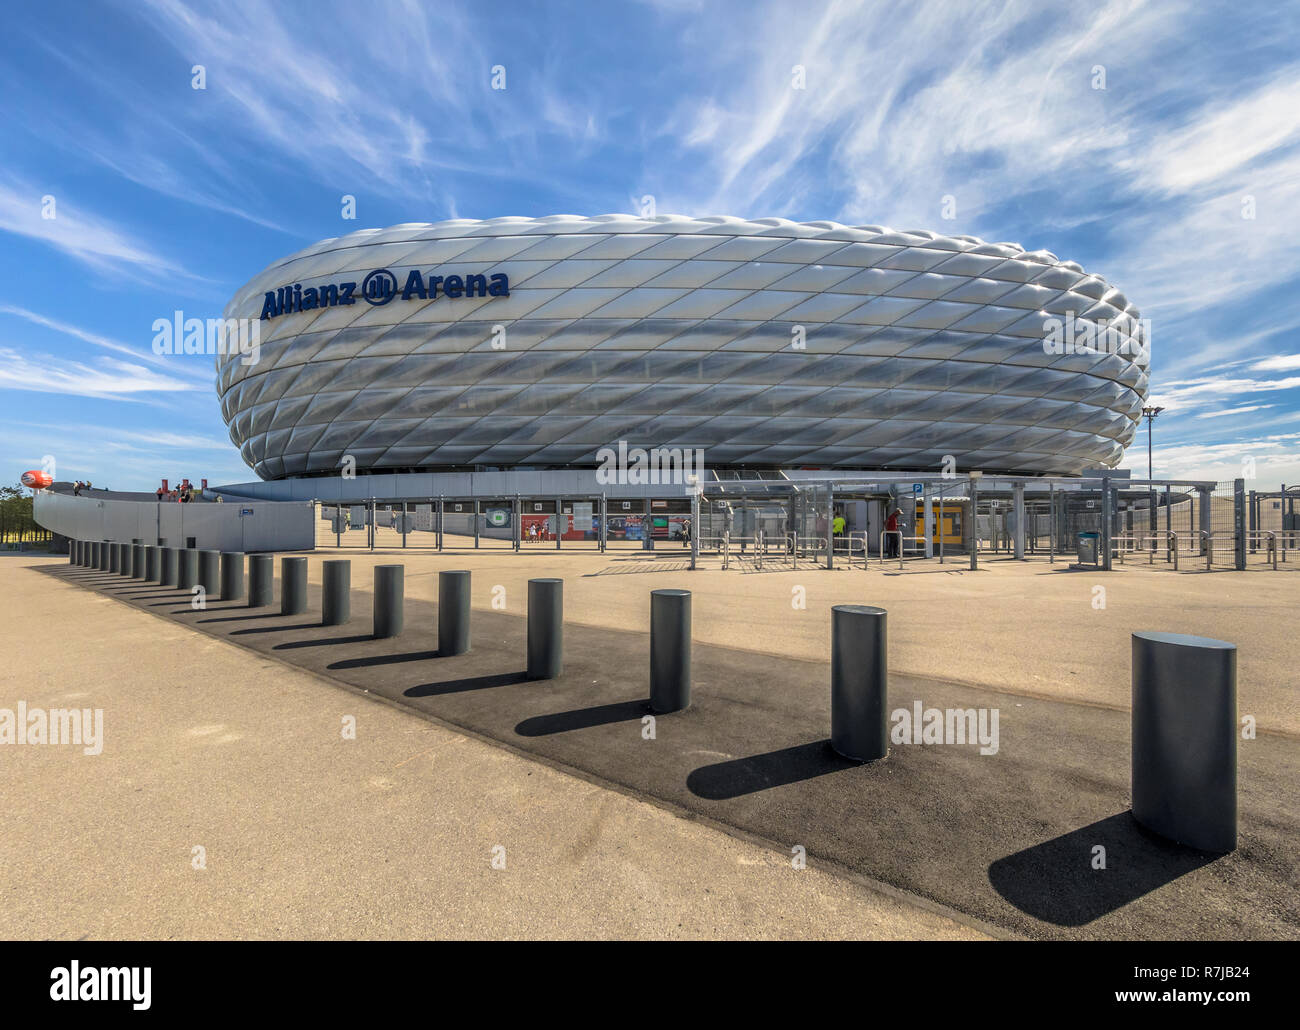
695 531
927 518
1107 503
1206 512
1239 522
974 521
1253 511
830 528
1018 537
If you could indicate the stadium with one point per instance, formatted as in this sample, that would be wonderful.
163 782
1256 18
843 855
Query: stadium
533 343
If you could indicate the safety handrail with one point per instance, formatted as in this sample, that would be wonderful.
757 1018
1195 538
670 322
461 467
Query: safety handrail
894 532
1270 538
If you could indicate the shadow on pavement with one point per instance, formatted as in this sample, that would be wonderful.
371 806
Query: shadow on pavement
584 718
501 679
362 663
741 776
1056 881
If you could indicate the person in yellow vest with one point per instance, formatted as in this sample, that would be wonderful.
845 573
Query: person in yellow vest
838 524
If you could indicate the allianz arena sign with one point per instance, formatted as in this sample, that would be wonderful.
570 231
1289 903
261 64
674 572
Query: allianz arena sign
379 287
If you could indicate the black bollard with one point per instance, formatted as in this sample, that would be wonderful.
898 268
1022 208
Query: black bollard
670 650
106 555
169 566
187 568
114 557
96 553
859 682
126 565
453 612
336 592
151 555
545 628
293 586
210 573
261 575
72 551
232 575
1184 742
389 597
137 561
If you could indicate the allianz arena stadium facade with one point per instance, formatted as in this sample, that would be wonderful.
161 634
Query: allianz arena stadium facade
533 343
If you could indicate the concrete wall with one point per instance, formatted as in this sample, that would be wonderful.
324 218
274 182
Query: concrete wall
250 526
549 483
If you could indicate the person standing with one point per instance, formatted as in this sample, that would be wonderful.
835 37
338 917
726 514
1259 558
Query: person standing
891 532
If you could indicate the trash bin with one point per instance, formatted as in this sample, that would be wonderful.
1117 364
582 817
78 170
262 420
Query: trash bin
1089 546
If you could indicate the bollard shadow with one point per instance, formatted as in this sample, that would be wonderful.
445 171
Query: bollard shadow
289 645
1055 881
584 718
741 776
500 679
278 629
242 618
379 659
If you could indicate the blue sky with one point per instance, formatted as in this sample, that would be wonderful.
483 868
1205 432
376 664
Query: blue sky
167 197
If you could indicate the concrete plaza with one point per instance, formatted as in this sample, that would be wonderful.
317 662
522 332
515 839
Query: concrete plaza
388 831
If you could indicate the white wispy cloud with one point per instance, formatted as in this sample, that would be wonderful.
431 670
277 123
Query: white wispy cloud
110 378
108 343
89 238
1226 412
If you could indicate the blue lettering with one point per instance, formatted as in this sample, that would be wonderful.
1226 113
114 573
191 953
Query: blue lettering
414 286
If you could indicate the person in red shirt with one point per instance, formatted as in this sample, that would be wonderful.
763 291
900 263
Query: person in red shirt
891 533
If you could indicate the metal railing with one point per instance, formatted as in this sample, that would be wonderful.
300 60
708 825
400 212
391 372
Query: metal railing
891 532
848 543
1167 537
